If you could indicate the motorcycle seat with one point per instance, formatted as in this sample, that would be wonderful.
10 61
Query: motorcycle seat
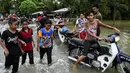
77 41
69 33
80 42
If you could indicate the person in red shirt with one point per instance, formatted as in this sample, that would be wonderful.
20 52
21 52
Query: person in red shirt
40 16
26 35
14 16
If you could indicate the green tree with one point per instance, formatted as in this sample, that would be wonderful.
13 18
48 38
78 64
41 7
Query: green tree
27 7
77 6
39 4
49 4
5 5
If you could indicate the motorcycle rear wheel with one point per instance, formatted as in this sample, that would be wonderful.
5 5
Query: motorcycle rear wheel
55 34
75 52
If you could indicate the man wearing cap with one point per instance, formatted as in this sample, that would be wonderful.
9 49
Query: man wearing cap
26 35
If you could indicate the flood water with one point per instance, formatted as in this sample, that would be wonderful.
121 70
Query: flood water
61 63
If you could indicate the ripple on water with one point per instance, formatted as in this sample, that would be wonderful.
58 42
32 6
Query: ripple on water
60 67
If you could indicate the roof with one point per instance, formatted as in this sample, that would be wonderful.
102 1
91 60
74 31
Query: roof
39 12
61 10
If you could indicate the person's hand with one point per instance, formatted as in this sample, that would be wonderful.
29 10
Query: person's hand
108 40
44 37
101 39
38 49
6 53
117 30
74 68
24 43
22 51
34 44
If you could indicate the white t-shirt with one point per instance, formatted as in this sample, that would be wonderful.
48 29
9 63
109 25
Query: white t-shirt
80 22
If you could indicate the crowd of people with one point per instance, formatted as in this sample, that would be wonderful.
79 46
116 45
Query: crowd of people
16 44
4 19
20 43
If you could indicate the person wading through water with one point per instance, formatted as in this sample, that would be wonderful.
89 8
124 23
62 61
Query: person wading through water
11 45
46 41
26 35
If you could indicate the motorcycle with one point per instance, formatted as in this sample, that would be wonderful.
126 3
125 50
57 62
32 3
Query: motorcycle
112 55
64 33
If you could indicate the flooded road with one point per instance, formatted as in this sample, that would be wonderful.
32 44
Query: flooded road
61 63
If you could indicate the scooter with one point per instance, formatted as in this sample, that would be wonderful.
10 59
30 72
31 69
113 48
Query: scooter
64 33
112 56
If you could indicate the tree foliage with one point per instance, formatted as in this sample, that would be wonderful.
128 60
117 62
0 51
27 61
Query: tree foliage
110 9
27 7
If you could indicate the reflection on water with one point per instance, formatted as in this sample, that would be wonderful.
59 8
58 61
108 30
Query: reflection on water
61 64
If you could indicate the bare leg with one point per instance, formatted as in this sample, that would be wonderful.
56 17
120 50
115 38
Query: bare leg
78 61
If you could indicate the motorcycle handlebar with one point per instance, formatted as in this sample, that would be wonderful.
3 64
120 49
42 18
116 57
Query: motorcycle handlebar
112 38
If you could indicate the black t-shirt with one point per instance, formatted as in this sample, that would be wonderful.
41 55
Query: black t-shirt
11 42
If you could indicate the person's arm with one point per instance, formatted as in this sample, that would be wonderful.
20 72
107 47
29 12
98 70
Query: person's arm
52 36
2 43
38 42
38 39
20 45
21 42
33 42
32 38
20 38
108 26
40 35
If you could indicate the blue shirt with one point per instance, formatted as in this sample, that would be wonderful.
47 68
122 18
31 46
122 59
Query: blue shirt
45 33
